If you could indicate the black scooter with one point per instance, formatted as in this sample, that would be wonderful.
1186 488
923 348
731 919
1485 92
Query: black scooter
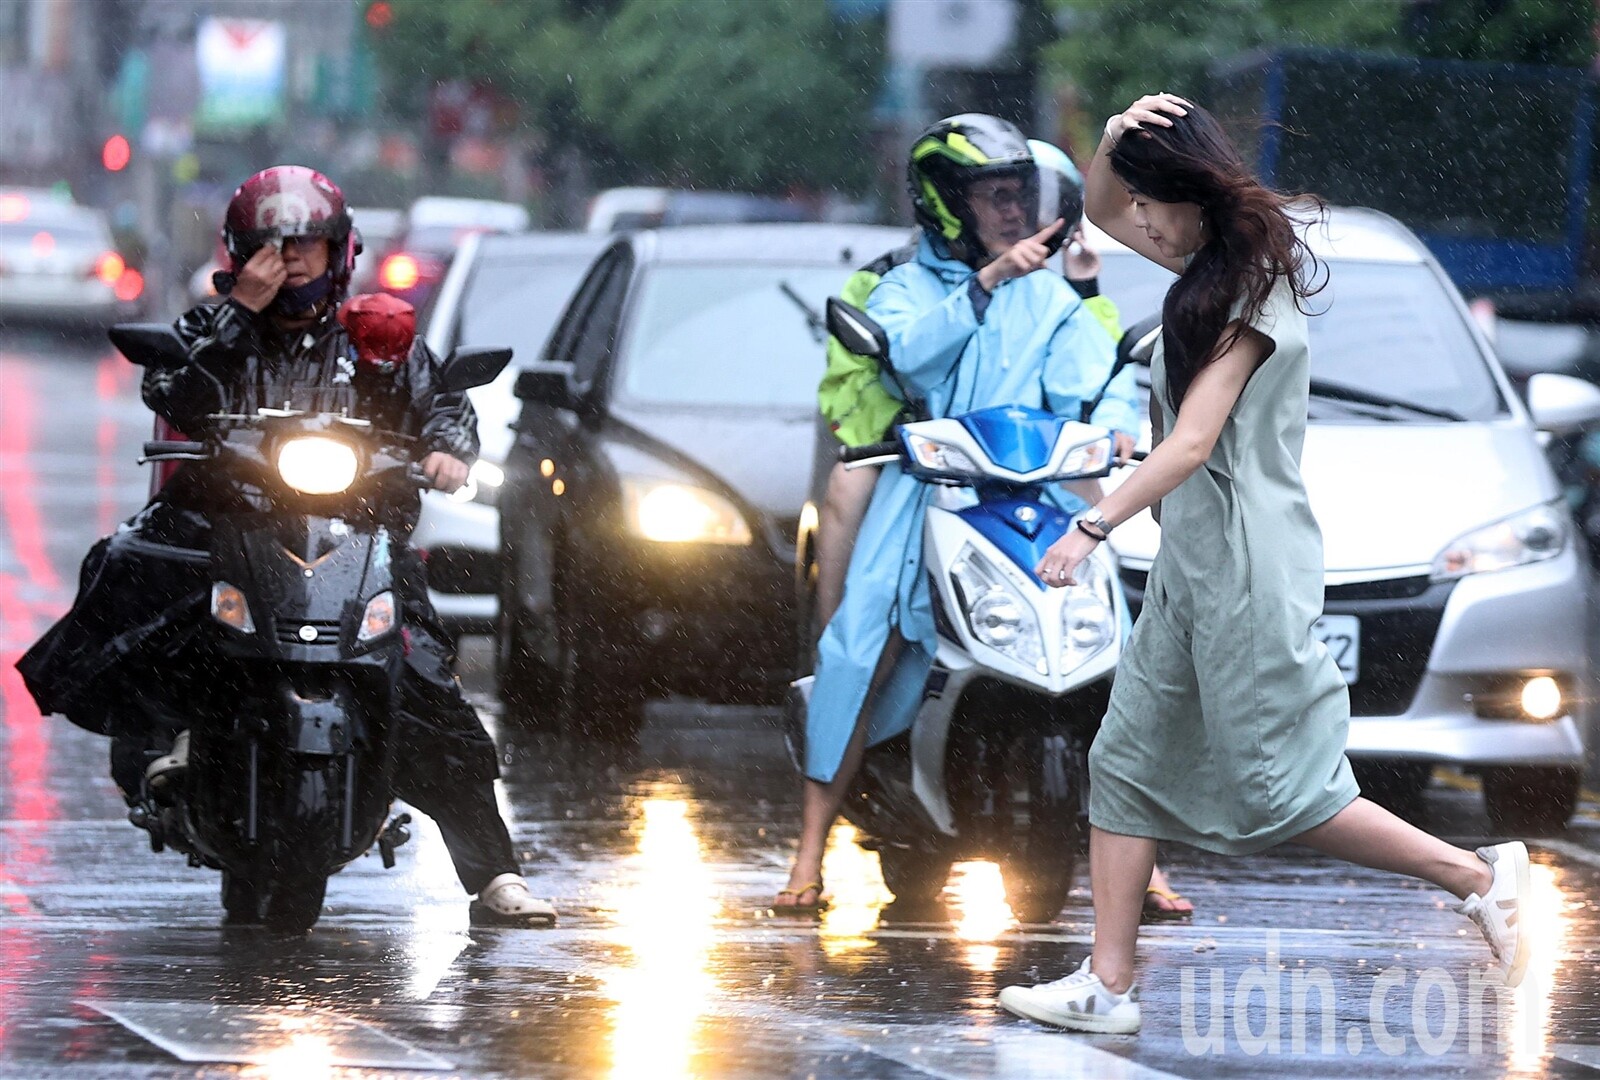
289 769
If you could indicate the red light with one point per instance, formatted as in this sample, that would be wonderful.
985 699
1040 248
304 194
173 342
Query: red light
399 272
116 154
130 286
43 243
109 268
380 14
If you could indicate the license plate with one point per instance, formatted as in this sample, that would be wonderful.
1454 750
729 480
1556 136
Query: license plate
1342 635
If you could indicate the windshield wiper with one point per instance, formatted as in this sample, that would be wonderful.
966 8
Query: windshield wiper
1340 392
819 329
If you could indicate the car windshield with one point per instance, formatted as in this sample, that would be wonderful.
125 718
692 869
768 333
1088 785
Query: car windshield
728 335
1390 331
517 302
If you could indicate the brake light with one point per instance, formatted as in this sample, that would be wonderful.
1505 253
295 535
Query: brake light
399 272
130 286
43 243
109 267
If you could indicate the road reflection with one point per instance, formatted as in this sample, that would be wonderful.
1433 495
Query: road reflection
856 893
666 916
978 902
1545 917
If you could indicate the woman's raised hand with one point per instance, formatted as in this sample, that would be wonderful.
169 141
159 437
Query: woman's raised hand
1152 109
1023 257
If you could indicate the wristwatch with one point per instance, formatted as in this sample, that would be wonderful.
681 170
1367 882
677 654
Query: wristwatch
1093 518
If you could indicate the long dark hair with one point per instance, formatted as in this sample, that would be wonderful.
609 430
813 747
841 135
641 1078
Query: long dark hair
1251 236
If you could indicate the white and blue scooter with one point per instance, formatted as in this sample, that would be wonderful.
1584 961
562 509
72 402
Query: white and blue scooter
995 765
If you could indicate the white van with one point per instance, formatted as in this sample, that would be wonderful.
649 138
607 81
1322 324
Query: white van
1456 585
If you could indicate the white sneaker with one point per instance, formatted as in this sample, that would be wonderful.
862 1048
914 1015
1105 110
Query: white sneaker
1496 912
1079 1002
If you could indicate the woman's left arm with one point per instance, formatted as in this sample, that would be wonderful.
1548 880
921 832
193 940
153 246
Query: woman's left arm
1181 453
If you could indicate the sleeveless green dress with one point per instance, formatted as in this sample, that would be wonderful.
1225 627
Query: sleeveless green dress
1227 724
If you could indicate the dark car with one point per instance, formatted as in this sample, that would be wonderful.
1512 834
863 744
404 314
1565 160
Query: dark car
509 290
653 493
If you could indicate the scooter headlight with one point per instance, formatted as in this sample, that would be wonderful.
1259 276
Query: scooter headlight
378 618
1090 459
1089 616
941 457
230 608
996 614
316 465
1529 537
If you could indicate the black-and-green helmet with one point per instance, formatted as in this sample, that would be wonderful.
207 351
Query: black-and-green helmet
949 156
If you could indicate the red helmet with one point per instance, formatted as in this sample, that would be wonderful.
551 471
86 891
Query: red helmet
286 201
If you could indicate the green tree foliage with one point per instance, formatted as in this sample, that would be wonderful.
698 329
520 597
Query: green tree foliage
1519 31
1115 50
756 94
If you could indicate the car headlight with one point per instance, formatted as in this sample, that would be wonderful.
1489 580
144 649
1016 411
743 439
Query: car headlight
680 514
483 484
941 457
1529 537
998 617
317 465
1089 617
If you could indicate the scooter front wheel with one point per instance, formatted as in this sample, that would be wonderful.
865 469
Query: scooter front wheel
916 878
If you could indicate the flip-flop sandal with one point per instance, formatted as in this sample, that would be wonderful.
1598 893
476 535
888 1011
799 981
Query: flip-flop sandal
814 908
1154 912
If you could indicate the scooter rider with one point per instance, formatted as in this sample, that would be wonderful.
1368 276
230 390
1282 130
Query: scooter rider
970 325
293 248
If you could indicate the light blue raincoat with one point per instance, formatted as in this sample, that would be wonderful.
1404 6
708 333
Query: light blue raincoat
1034 343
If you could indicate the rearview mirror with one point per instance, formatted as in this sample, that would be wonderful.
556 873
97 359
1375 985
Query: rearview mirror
546 384
1561 404
471 367
857 331
1138 344
149 344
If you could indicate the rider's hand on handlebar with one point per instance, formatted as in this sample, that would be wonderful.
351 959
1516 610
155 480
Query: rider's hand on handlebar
1023 257
260 279
444 472
1124 446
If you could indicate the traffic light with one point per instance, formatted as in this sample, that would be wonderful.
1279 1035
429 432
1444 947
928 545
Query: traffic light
380 14
116 153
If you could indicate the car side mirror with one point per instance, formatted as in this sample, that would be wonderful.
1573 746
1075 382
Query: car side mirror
154 345
547 383
1561 404
471 367
857 331
1138 343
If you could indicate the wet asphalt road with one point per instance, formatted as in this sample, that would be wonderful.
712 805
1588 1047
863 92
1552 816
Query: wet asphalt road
665 963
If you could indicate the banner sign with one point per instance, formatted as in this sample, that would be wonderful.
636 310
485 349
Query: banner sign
242 65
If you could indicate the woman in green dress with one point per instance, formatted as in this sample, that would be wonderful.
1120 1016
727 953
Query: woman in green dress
1226 728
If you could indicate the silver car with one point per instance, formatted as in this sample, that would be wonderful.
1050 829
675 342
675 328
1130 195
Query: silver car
500 290
1455 584
58 263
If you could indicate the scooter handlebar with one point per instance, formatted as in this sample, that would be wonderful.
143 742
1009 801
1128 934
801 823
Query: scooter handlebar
889 448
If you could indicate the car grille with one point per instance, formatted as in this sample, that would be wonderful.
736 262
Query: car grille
1399 621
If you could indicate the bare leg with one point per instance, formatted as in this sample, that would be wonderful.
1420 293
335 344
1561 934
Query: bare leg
843 506
1368 835
1119 869
820 802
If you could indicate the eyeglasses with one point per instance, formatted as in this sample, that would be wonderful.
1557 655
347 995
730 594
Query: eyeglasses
1006 198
